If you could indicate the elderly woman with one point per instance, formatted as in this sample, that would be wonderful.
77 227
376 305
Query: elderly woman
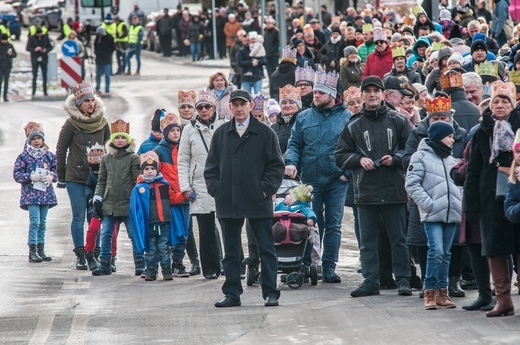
221 87
85 127
491 150
193 151
353 100
350 71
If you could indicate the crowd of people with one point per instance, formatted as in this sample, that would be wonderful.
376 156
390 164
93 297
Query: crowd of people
412 123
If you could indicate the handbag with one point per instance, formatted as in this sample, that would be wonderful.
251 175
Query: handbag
501 184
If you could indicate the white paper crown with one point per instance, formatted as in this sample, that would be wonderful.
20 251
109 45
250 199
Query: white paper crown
289 53
259 102
306 74
329 80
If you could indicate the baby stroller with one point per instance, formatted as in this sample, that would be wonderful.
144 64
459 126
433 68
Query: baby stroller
291 236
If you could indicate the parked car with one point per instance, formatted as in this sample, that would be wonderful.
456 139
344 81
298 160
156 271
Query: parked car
7 12
49 11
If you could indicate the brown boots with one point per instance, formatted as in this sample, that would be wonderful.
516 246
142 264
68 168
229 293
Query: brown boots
429 299
499 267
434 299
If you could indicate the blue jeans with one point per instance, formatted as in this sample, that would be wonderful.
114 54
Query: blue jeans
195 48
332 196
78 204
255 85
440 238
37 223
129 54
159 250
121 61
100 70
107 229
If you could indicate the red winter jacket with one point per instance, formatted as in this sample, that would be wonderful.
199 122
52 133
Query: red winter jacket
378 64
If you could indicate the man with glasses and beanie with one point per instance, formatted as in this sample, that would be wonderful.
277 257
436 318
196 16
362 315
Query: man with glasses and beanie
372 146
243 188
379 62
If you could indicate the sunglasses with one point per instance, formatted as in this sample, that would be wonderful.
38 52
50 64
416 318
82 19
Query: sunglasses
205 106
380 42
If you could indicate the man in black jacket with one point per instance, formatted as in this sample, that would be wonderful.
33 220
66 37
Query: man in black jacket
7 53
165 26
284 74
242 188
104 47
372 146
39 45
271 45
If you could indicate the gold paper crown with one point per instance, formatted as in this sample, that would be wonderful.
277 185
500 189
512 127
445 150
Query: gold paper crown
439 104
84 88
335 19
259 102
398 51
499 88
451 79
290 92
514 77
149 157
436 46
170 119
306 74
352 92
33 127
94 153
487 68
206 96
368 28
418 9
120 126
187 97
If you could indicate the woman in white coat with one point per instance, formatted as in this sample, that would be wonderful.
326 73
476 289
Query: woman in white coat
193 151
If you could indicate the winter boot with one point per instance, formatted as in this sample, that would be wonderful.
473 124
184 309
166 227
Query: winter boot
139 265
113 266
195 267
104 267
429 299
415 281
480 268
81 262
179 270
167 272
454 289
97 251
193 254
41 252
33 254
252 259
91 261
151 274
442 300
500 271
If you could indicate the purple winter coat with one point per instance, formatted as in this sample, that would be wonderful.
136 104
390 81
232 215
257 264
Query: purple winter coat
23 166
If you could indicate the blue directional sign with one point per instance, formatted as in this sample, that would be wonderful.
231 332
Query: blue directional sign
69 48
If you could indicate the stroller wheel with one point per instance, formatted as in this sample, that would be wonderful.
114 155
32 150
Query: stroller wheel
250 275
314 275
295 280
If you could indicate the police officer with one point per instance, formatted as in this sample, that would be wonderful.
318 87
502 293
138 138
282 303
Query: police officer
135 40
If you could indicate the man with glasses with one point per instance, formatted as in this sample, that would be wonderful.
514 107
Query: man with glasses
311 147
380 61
304 80
372 146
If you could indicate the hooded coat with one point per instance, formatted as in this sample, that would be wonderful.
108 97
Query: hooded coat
284 75
378 64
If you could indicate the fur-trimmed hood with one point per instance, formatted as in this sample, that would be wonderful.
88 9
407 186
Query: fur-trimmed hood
112 151
72 109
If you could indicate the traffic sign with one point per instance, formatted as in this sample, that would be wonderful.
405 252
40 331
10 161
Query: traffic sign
70 71
69 48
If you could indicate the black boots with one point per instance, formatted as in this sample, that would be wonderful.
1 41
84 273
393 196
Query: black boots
151 274
195 267
113 264
104 268
252 259
33 254
81 262
41 252
91 261
167 272
139 265
193 254
454 289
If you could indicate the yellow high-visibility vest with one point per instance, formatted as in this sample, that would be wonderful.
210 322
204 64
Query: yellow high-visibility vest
110 28
5 30
120 29
32 30
66 30
133 33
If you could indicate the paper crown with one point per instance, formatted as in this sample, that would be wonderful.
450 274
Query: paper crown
368 28
407 20
170 119
120 126
206 96
94 153
499 88
84 88
351 93
149 158
289 54
335 19
514 77
302 193
398 52
487 69
451 79
259 102
187 97
33 127
380 35
417 10
304 74
439 104
307 30
436 46
289 92
328 80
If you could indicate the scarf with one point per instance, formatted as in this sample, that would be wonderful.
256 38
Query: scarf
219 93
34 152
287 118
335 40
119 148
503 138
439 148
88 126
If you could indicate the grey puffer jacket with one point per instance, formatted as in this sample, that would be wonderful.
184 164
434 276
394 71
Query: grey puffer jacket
429 184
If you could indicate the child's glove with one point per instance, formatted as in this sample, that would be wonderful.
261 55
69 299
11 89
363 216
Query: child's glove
98 205
48 180
35 177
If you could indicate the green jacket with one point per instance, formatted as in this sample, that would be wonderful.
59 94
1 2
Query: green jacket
118 174
365 49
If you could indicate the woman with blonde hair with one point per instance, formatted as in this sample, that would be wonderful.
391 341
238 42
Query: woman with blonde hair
221 87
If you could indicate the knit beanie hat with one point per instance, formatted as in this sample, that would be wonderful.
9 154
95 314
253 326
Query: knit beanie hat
273 107
33 129
440 130
478 44
156 120
349 50
455 57
444 15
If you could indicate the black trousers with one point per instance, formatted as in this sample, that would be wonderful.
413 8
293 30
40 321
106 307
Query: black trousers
271 64
208 244
166 44
4 79
35 66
